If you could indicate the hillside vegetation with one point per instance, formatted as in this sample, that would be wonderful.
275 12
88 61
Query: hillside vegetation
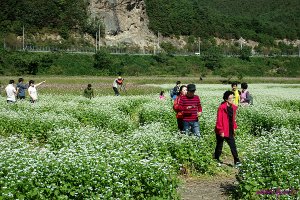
60 16
259 20
103 63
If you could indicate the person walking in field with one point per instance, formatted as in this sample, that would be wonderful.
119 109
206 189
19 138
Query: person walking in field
21 88
118 83
88 92
225 127
179 114
175 91
11 92
236 92
32 90
191 107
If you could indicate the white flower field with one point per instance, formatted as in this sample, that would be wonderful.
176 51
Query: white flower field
128 147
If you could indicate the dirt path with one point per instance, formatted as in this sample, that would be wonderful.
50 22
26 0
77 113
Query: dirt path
218 187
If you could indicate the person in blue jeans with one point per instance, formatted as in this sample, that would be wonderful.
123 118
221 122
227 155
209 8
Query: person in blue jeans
191 108
21 88
175 90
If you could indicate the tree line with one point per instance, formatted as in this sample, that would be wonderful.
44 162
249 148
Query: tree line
259 20
211 62
57 15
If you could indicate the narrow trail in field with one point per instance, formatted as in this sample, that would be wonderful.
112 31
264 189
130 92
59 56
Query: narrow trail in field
217 187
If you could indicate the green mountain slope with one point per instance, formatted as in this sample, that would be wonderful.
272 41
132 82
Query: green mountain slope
260 20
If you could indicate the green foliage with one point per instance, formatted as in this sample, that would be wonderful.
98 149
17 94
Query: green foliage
230 72
70 147
62 15
168 47
25 63
272 166
245 53
226 19
212 58
103 63
102 60
161 58
266 118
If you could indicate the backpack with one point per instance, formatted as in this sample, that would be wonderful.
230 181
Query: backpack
174 91
171 93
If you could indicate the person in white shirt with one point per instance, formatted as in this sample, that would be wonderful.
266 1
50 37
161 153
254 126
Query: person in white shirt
32 90
11 92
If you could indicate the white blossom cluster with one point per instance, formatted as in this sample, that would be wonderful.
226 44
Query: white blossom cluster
70 147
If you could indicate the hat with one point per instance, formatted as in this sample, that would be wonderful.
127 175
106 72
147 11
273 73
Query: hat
119 77
191 87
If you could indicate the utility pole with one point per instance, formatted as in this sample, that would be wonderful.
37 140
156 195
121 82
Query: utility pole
242 41
23 38
99 37
96 45
158 41
199 46
299 50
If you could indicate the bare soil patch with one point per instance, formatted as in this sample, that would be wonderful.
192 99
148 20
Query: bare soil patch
218 187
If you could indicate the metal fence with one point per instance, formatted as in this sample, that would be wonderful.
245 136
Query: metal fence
136 51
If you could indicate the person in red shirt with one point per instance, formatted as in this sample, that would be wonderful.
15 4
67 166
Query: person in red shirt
179 114
225 127
191 107
118 83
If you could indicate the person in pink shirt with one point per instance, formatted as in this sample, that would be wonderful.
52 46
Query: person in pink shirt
245 97
162 95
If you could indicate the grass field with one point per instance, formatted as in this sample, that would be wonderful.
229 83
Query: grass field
68 147
135 85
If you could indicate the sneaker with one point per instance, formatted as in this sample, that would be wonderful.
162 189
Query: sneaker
219 162
238 164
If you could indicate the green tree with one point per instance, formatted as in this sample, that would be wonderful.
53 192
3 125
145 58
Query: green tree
212 58
168 47
245 53
102 60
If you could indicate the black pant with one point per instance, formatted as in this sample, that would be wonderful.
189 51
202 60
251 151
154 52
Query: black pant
116 91
231 143
180 124
21 97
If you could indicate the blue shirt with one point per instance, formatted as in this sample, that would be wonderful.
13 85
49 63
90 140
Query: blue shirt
21 88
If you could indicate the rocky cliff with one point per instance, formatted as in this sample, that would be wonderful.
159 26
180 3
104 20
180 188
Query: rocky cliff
125 21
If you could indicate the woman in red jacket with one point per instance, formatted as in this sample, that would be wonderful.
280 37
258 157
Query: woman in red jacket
179 114
225 127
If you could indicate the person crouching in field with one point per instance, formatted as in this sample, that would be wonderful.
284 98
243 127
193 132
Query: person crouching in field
32 91
179 114
225 127
191 107
162 95
117 84
245 98
88 92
